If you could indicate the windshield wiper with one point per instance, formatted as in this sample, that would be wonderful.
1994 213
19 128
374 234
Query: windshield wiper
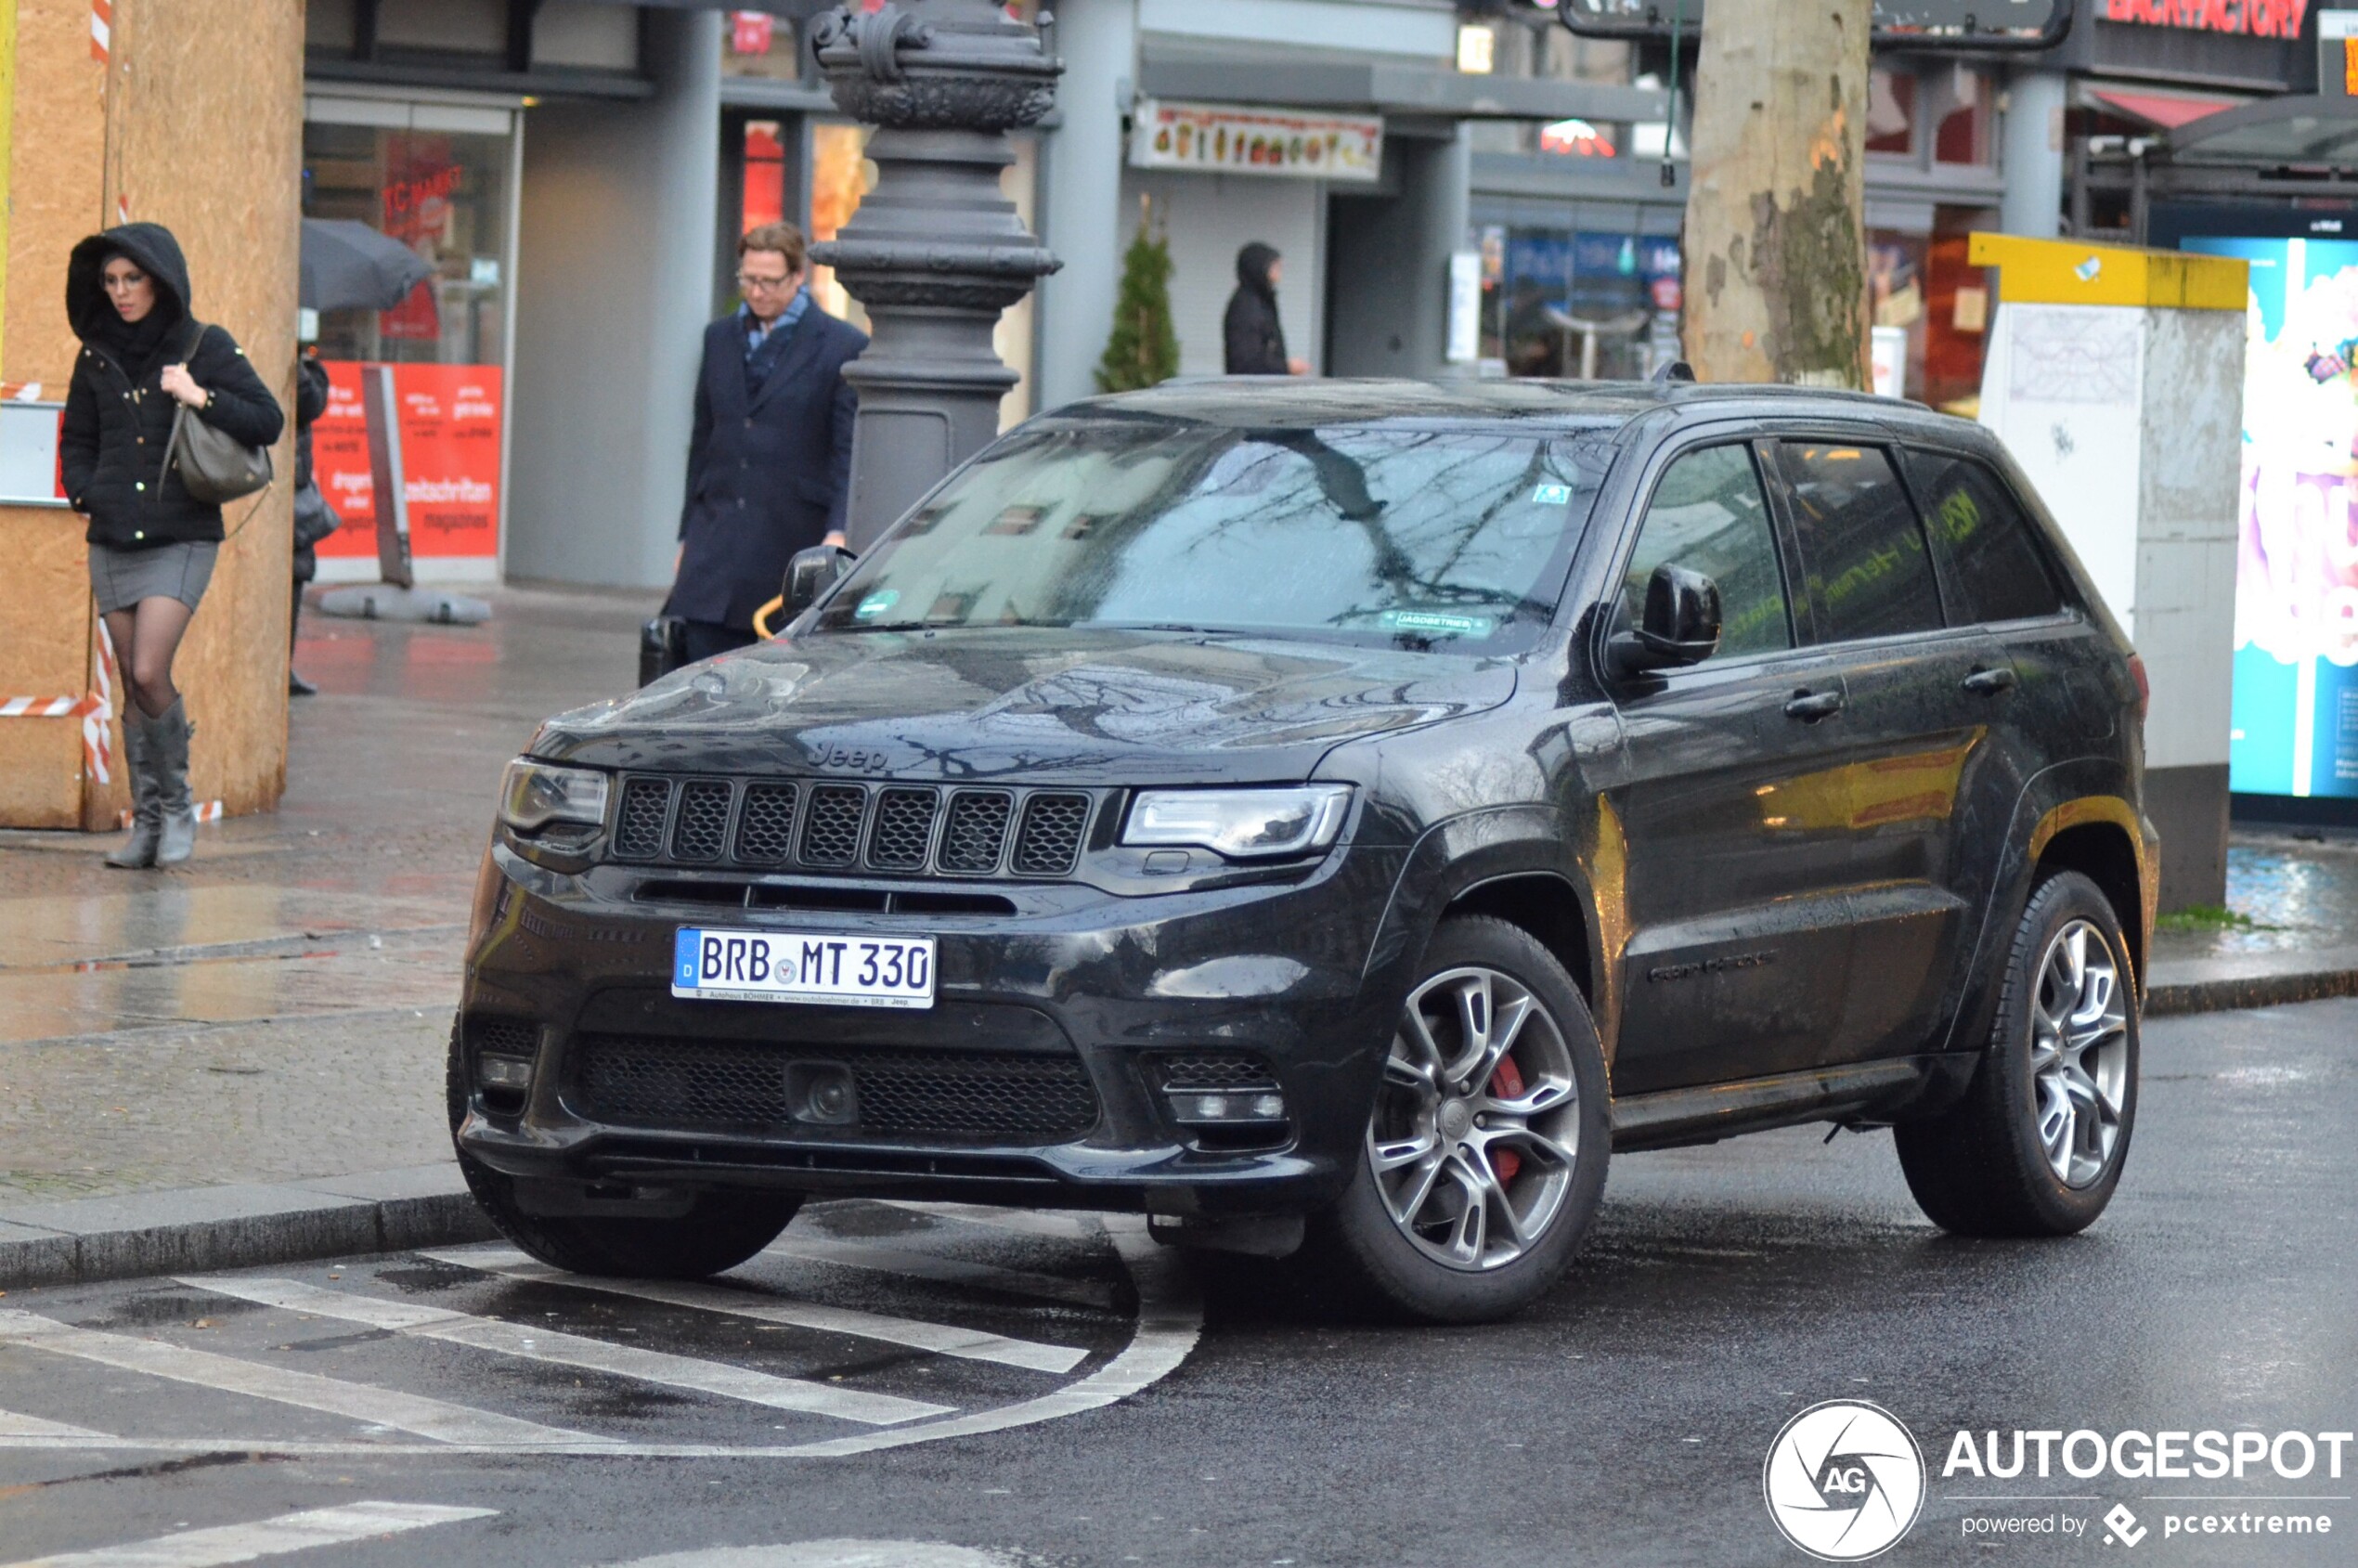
1186 628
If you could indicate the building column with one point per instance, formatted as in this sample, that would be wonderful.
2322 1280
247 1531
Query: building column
1081 191
614 285
2031 154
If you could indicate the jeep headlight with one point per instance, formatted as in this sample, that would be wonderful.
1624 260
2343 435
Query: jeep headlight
1240 824
533 794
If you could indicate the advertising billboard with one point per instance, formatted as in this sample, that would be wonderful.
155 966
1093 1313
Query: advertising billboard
450 457
2294 729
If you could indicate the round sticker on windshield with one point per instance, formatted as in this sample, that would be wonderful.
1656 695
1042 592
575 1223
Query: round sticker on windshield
878 604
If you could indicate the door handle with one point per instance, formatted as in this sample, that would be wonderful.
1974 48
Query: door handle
1810 707
1989 682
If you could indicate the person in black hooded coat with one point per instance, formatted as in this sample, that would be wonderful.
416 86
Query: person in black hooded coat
145 358
1253 341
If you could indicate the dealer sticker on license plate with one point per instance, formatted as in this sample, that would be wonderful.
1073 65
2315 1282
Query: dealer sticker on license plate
845 971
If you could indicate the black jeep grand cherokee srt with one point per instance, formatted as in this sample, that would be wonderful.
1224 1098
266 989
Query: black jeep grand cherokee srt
1341 815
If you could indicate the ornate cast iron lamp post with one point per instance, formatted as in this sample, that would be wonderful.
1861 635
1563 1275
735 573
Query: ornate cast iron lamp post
934 251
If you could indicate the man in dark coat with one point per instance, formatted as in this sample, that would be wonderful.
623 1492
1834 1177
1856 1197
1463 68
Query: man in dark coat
1254 343
770 463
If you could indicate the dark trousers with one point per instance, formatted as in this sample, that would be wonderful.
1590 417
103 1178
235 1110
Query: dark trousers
700 640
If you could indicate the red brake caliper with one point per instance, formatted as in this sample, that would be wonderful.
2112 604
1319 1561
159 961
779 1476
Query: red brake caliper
1506 1084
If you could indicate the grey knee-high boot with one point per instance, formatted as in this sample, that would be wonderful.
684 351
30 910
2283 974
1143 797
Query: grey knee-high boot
177 820
146 816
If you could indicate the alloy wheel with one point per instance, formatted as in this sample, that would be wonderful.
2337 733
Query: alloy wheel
2078 1054
1477 1122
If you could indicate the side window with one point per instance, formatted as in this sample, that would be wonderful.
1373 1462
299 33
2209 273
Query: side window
1998 565
1861 549
1708 514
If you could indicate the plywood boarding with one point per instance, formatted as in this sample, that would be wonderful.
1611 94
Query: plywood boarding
57 148
205 109
193 122
56 143
45 602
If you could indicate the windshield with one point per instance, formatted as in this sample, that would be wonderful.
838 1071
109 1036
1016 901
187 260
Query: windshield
1450 538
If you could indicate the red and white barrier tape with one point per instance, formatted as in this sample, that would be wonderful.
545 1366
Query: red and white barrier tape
95 708
202 810
20 392
101 29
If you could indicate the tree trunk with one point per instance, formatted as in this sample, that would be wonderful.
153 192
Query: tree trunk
1776 262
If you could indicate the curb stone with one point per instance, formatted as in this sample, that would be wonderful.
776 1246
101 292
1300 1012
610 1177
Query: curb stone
2256 980
197 1229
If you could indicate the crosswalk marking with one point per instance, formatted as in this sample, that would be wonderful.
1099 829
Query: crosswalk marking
942 1339
267 1538
1170 1317
574 1350
830 1554
361 1402
1024 1222
17 1424
954 1271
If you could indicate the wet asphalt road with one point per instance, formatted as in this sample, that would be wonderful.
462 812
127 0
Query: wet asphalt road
1623 1421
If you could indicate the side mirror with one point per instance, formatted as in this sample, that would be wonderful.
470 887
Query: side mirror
810 574
1680 624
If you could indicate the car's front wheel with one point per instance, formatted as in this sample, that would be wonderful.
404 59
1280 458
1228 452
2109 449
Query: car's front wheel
1485 1156
722 1230
2037 1145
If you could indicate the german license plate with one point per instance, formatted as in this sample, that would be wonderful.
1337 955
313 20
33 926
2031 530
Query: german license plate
844 971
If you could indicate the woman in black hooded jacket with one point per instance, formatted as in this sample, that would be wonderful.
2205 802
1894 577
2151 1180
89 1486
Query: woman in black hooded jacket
144 357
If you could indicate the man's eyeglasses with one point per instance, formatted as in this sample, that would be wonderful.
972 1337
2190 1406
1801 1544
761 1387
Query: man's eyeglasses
749 284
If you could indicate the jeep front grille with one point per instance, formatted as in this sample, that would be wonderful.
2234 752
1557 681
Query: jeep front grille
897 829
995 1097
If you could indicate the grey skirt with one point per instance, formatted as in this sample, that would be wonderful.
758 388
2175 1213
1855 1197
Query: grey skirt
121 578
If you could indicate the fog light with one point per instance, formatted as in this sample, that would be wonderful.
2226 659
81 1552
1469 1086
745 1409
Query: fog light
504 1072
1257 1105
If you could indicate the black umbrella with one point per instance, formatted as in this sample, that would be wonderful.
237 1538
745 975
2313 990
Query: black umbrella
348 265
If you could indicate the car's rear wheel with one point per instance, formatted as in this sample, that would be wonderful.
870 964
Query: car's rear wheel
1485 1156
719 1232
2037 1145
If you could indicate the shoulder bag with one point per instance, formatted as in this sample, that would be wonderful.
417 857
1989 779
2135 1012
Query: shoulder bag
213 467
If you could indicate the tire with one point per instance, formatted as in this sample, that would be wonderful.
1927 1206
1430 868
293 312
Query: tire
2036 1145
719 1232
1408 1241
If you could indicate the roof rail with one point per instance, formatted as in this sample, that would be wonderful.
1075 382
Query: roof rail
1677 370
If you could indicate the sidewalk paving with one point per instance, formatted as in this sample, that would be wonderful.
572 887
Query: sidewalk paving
241 1062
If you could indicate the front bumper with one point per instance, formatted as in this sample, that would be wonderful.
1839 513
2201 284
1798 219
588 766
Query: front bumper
575 970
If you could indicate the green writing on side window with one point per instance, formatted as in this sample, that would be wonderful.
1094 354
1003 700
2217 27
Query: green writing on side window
1434 621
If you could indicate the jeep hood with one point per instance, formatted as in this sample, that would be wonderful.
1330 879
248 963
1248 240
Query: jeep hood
988 703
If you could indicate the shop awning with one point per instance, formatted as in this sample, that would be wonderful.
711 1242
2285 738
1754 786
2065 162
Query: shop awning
1386 88
2165 111
2301 130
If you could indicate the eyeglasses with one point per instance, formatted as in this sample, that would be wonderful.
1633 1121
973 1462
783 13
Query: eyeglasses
125 279
750 284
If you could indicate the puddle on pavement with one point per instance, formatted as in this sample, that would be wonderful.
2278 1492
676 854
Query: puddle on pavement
2296 895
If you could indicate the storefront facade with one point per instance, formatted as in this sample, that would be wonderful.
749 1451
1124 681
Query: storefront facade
440 175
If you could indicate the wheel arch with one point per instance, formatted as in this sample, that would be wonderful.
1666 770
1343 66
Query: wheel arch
1520 864
2101 837
1548 905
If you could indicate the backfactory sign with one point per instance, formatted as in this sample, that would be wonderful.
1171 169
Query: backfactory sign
1219 138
